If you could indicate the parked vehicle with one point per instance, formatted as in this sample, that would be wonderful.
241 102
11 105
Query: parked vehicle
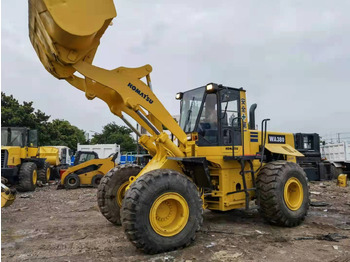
102 150
22 161
312 163
88 173
338 155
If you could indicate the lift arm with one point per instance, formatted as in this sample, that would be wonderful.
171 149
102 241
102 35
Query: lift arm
66 35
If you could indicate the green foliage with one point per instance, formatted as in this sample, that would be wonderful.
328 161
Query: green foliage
57 132
62 133
15 114
113 133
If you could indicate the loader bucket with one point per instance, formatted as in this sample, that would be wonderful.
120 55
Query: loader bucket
64 32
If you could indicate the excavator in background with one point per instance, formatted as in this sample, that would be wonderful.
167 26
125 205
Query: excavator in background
88 173
217 160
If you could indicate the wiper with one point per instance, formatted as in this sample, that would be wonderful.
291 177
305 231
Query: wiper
189 115
223 116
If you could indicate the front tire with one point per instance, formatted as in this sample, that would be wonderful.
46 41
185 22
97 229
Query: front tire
162 211
27 177
111 191
44 173
283 193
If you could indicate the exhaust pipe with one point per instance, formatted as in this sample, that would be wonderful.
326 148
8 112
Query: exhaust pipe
252 116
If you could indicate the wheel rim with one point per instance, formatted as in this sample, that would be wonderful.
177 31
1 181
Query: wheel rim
35 177
293 193
121 193
72 181
48 173
169 214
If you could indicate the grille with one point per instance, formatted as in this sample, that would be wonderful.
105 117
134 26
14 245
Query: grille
3 157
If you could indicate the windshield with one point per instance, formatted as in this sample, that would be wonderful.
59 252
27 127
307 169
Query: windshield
4 137
190 106
16 138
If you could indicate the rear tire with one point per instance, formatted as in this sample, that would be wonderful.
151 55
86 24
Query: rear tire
44 173
72 181
27 177
111 191
162 211
283 193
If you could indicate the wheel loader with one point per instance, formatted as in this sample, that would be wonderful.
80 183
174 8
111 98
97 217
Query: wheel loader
22 161
88 173
217 161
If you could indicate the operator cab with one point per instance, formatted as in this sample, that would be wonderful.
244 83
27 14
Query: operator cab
214 113
19 136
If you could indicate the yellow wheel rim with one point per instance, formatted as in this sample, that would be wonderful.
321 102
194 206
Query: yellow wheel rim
169 214
293 193
48 172
121 193
35 177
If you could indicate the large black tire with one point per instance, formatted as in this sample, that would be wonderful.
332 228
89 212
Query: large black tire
27 177
72 181
336 171
44 173
96 180
141 200
111 184
277 184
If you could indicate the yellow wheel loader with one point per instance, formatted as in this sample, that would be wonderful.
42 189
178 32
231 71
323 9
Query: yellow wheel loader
88 173
22 164
217 161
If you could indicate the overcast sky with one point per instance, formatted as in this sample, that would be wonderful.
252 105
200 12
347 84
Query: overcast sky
292 57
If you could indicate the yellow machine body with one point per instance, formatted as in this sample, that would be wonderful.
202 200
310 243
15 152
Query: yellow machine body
65 34
87 170
8 196
16 153
51 154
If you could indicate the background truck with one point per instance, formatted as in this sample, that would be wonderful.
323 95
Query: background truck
338 155
101 150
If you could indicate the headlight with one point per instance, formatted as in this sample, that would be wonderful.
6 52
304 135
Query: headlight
210 88
179 96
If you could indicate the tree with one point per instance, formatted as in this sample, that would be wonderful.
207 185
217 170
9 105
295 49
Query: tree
15 114
62 133
115 134
57 132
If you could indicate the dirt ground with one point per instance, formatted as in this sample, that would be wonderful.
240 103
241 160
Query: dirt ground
62 225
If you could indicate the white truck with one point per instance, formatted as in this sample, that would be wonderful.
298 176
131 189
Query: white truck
65 154
338 155
102 150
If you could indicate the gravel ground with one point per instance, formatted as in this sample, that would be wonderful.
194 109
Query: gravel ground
66 225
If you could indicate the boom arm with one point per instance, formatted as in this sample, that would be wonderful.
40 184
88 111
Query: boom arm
66 34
